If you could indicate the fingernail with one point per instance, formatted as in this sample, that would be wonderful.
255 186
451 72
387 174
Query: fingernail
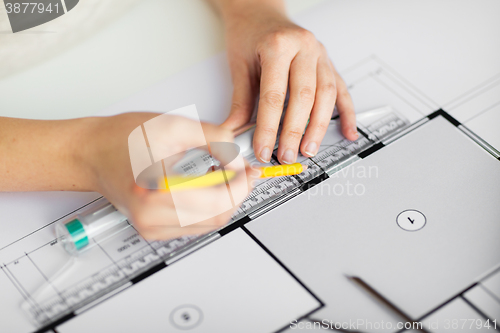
265 154
311 148
354 131
288 157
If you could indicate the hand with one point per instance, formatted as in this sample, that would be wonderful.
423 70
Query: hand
154 213
269 53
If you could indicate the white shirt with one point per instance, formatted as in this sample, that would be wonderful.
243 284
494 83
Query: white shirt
21 50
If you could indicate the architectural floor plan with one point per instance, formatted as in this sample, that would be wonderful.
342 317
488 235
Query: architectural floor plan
433 156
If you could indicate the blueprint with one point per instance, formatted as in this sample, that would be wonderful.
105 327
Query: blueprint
388 55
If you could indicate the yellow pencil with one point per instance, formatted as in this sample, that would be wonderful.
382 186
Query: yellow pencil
215 178
282 170
218 177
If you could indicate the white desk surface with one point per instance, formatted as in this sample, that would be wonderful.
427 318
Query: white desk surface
434 54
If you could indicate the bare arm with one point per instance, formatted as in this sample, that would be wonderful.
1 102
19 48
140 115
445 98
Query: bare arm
45 155
91 154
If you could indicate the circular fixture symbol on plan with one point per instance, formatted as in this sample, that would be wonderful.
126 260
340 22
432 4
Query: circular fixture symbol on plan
411 220
186 317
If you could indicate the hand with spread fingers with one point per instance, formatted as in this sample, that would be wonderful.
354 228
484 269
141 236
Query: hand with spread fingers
268 55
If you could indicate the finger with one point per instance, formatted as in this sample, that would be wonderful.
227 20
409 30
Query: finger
209 200
168 135
174 134
273 86
162 232
170 218
302 94
217 141
326 93
220 142
156 216
345 108
214 133
165 232
243 102
145 217
243 129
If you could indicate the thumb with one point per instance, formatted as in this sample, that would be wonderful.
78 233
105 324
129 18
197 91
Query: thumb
220 142
243 101
214 133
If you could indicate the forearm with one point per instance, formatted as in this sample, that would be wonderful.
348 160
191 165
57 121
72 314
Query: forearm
41 155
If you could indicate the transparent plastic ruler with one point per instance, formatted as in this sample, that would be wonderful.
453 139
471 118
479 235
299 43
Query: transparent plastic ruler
334 154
